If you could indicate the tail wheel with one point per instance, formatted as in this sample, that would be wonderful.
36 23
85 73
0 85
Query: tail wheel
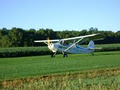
92 54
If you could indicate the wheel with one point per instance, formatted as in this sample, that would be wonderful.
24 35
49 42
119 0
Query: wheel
65 55
92 54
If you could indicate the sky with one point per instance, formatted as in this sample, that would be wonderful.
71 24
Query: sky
60 14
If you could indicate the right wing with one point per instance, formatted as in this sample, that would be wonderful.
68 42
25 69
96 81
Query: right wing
56 40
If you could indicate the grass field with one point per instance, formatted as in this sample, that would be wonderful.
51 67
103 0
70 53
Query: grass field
76 71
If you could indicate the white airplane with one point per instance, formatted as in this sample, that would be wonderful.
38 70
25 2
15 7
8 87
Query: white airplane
60 45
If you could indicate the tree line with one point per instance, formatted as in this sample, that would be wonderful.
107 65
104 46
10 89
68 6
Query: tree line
18 37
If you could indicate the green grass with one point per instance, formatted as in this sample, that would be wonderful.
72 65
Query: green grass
91 80
24 67
37 51
78 71
23 51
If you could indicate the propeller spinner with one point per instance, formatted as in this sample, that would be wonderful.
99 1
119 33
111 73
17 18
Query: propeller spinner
51 46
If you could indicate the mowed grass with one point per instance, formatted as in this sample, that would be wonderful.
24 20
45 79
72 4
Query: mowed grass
76 72
25 67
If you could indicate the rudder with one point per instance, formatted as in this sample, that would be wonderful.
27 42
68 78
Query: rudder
91 45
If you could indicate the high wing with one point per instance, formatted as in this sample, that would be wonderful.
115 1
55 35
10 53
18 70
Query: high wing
85 38
88 37
47 40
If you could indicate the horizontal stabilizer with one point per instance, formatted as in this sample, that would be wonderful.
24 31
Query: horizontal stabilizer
95 48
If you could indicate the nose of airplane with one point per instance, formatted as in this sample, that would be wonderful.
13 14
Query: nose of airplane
53 47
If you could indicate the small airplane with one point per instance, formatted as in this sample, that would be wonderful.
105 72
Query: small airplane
60 45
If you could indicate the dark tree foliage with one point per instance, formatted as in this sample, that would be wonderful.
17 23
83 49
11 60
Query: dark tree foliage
18 37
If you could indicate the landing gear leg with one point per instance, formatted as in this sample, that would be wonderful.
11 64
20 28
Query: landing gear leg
53 54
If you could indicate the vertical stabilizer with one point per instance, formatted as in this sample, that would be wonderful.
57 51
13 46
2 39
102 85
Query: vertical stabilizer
91 45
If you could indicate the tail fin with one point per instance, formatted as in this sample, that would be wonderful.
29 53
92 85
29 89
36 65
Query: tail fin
91 45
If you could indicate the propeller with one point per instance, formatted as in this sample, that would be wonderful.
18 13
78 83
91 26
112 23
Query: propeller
51 46
48 41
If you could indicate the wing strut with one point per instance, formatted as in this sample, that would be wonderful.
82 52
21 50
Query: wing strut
73 44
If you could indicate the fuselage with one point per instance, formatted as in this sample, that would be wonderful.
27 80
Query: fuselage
75 49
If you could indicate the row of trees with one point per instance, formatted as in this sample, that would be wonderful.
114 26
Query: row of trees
18 37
